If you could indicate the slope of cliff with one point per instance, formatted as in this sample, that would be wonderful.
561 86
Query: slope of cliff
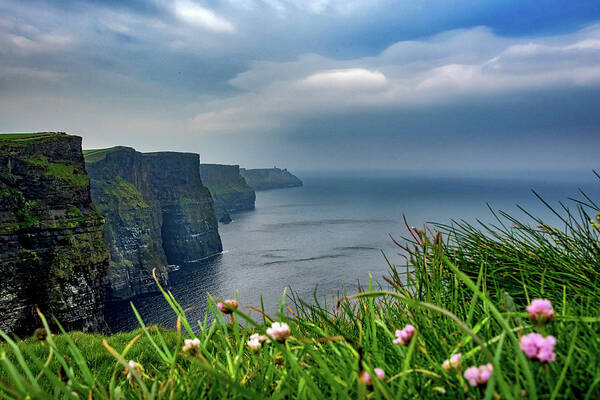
228 188
269 178
52 252
157 213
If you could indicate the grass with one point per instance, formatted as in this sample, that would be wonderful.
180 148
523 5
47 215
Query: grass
65 170
229 188
95 155
11 136
464 289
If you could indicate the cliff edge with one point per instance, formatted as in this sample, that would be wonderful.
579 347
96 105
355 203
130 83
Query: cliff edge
270 178
52 252
228 188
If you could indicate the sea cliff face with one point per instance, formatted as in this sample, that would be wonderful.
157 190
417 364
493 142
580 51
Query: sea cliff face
157 213
52 252
228 188
269 178
189 229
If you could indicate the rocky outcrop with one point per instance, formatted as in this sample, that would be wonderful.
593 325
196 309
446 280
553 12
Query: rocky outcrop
228 188
157 213
52 252
269 178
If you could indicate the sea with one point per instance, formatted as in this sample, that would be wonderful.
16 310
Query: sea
331 234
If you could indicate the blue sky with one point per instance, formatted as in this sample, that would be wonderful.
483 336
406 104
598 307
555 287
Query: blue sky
312 84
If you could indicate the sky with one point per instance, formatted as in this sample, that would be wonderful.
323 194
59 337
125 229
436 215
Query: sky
312 84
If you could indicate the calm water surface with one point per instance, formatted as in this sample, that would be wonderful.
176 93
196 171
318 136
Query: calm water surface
331 232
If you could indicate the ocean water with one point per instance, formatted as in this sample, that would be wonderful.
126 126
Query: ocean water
332 231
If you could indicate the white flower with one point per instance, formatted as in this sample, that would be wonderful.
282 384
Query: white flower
132 366
254 343
191 344
261 338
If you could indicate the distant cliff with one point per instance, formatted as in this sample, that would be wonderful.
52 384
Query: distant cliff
52 252
157 213
269 178
228 188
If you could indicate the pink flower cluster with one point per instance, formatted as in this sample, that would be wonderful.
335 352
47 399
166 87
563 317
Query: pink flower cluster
535 346
540 311
279 331
478 375
404 335
452 363
255 341
366 378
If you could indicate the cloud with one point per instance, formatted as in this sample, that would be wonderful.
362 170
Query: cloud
351 78
290 7
456 66
202 17
39 42
227 119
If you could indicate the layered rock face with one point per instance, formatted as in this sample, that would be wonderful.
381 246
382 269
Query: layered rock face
157 213
52 252
189 229
228 188
123 194
269 178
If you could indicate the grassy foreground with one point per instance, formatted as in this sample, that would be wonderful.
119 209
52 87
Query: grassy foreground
464 289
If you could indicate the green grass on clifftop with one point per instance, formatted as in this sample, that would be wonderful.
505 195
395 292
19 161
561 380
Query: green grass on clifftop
12 136
465 290
95 155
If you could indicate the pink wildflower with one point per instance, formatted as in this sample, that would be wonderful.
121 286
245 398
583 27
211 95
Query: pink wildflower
471 374
478 375
279 331
379 372
226 306
366 378
261 338
485 372
455 360
452 363
535 346
540 311
255 341
404 335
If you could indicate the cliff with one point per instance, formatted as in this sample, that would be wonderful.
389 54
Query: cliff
157 213
228 188
52 252
269 178
189 229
